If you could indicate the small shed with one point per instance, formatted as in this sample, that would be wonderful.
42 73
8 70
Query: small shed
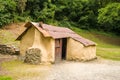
56 43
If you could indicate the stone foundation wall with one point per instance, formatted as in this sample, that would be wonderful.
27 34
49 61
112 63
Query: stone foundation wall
9 49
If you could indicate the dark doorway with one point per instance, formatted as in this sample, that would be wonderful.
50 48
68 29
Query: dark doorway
64 48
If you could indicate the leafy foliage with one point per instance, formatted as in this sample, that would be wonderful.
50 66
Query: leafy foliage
109 17
7 10
21 5
85 14
47 13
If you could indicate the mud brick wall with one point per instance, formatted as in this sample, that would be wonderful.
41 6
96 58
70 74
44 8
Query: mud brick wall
9 49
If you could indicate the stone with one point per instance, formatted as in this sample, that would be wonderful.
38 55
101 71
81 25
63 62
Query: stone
33 56
8 49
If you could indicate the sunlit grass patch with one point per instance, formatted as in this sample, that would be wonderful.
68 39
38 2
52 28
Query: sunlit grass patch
7 37
11 64
19 70
5 78
109 53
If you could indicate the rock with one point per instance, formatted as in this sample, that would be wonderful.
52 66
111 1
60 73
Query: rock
9 49
33 56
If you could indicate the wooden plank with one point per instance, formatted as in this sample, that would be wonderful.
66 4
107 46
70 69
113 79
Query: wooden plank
58 50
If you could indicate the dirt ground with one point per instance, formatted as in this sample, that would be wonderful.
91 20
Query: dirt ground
5 58
99 69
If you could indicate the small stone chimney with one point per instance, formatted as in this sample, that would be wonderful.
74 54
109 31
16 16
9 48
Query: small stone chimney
40 24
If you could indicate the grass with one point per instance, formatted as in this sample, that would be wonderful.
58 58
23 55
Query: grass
7 37
20 70
5 78
109 53
108 45
11 64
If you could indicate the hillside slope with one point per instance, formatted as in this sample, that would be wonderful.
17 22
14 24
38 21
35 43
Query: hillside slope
9 33
108 46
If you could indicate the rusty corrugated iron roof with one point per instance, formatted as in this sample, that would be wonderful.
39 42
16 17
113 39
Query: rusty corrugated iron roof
57 32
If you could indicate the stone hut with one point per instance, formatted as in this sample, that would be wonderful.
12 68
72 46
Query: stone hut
56 43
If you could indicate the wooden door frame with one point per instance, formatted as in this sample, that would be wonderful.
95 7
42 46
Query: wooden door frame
59 47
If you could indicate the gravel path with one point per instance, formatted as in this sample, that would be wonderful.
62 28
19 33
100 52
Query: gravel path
85 71
93 70
68 70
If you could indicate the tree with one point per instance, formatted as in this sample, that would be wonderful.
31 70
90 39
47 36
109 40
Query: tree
21 4
48 12
33 7
7 10
109 17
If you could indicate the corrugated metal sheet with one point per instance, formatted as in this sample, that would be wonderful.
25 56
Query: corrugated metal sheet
59 32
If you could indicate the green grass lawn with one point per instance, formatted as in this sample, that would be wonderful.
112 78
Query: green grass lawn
7 37
109 53
108 45
5 78
19 70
